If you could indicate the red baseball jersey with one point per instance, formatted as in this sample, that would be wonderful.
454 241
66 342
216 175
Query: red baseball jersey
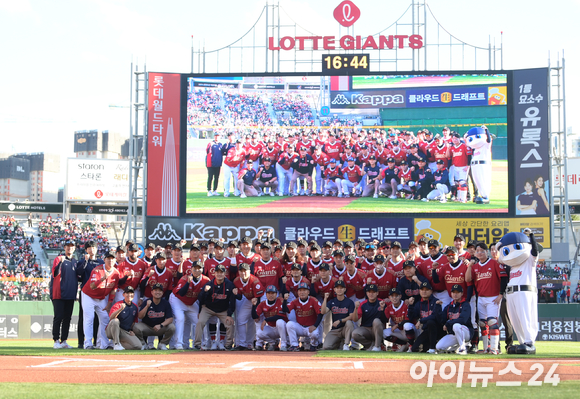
430 154
271 310
312 268
165 278
253 150
308 145
321 159
382 155
459 155
251 288
355 284
285 160
138 268
174 267
234 157
424 268
271 153
292 286
384 282
441 153
104 288
320 287
333 150
269 272
210 264
397 267
192 291
397 314
333 174
364 158
399 156
336 272
307 312
405 175
251 258
453 275
353 174
366 265
487 277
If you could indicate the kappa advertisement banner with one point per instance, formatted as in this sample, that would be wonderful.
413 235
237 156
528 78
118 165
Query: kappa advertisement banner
531 144
486 230
97 179
163 144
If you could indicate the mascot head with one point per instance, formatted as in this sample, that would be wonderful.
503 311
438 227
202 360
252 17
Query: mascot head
476 137
514 249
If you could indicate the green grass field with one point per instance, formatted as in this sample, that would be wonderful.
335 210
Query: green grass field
198 201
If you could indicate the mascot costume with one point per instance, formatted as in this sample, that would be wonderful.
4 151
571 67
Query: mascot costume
479 140
520 251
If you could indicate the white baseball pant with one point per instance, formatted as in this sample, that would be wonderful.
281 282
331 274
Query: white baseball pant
245 327
296 330
184 317
271 334
459 337
90 306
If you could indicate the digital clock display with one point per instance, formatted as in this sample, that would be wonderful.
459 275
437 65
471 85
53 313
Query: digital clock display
345 63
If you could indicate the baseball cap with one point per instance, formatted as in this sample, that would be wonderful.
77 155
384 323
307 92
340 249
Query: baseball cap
390 159
327 244
348 244
458 237
303 286
350 159
395 142
421 159
271 288
119 249
324 266
340 283
379 258
423 240
433 243
161 255
129 242
267 160
371 287
150 246
220 268
338 252
219 244
455 134
332 160
296 266
373 157
403 162
440 162
128 289
69 242
471 243
315 247
90 243
302 242
394 291
233 243
157 286
412 244
133 247
408 263
244 266
246 240
350 258
265 245
169 245
451 249
291 244
340 242
194 247
396 244
457 287
197 263
249 161
413 146
203 244
111 254
275 241
425 284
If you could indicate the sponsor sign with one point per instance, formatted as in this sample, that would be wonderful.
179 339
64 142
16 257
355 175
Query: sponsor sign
32 327
346 229
368 99
97 180
21 207
465 96
531 136
572 180
101 209
486 230
559 329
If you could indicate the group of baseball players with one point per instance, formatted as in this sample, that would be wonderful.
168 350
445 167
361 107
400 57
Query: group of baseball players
342 163
261 295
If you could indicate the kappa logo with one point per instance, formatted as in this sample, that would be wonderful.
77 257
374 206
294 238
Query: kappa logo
383 100
164 232
340 99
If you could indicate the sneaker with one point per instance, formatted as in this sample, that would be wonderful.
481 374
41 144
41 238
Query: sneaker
144 347
272 194
443 200
179 347
472 350
238 348
283 348
221 346
90 347
260 194
424 200
151 346
346 195
393 197
57 345
403 348
462 351
209 194
339 195
294 349
216 193
376 196
375 349
64 345
493 352
270 347
196 348
410 350
259 347
226 195
432 351
242 195
108 348
118 347
214 346
162 347
345 347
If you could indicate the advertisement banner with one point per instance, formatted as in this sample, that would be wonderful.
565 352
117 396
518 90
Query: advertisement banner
97 179
486 230
465 96
163 144
347 229
531 144
559 329
389 98
101 209
572 180
163 230
19 207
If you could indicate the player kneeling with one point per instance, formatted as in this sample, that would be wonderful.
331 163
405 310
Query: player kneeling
426 311
402 332
308 318
456 320
342 310
273 325
370 312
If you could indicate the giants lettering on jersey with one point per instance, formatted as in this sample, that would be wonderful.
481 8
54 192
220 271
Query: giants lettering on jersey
515 274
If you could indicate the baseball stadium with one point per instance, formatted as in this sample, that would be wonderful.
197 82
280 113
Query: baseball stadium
309 210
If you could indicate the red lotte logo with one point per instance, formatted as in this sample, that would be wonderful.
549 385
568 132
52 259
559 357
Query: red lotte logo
98 194
346 13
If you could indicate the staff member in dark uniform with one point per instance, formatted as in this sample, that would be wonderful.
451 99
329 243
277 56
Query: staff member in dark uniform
267 177
156 319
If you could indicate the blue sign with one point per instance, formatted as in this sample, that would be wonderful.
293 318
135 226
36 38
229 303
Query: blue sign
464 96
346 229
325 111
141 251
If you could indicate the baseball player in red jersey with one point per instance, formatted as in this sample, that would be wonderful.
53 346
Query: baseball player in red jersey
249 287
381 278
332 147
308 318
459 167
440 150
270 152
218 259
354 279
367 265
270 321
490 279
194 256
234 158
352 178
184 303
324 284
425 268
314 262
406 180
175 263
305 143
398 154
333 179
294 281
131 271
246 255
397 314
253 150
321 162
459 244
284 169
268 270
395 260
97 296
157 273
339 267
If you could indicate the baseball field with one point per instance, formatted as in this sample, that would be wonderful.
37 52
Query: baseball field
31 368
197 200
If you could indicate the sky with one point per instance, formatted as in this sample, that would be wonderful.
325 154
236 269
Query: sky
65 63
